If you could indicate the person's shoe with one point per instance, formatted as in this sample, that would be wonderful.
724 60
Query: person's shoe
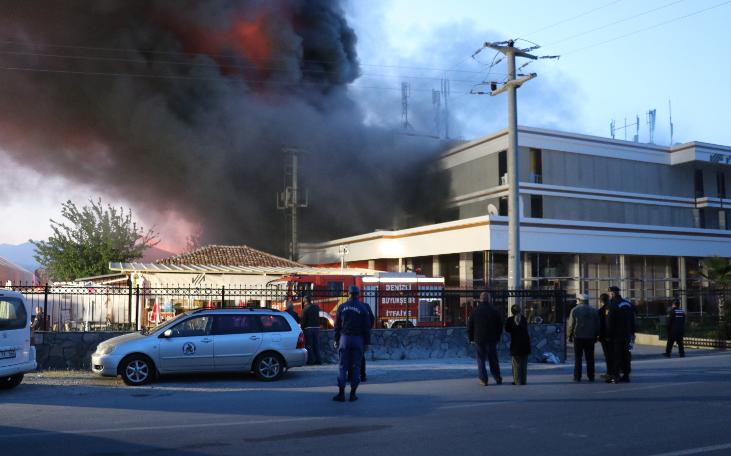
667 355
482 382
353 397
340 397
499 380
624 379
611 380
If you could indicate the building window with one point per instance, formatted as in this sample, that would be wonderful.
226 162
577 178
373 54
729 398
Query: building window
702 217
503 203
721 184
536 166
536 206
502 167
699 193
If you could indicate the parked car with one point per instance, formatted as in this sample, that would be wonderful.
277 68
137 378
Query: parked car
17 356
264 341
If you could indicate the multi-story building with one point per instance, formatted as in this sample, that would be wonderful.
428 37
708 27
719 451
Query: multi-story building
594 212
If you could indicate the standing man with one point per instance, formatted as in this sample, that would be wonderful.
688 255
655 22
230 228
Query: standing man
290 310
676 329
583 331
311 328
352 335
620 335
484 328
39 320
604 300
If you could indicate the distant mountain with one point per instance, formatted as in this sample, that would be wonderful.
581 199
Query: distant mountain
21 254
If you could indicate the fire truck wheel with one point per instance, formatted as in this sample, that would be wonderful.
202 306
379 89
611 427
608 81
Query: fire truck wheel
269 366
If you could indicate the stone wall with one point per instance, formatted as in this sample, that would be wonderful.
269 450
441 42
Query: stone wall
441 343
68 350
73 350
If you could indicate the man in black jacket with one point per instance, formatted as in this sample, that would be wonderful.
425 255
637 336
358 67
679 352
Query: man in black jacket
606 349
484 328
311 328
620 335
676 329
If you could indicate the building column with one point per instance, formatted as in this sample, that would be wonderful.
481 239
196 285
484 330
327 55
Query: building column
576 273
436 270
527 271
371 264
466 274
623 289
401 265
682 275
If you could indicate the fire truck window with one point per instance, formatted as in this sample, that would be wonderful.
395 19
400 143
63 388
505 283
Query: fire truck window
274 323
335 288
302 289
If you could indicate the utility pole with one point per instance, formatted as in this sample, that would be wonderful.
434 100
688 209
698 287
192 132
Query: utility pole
289 199
511 86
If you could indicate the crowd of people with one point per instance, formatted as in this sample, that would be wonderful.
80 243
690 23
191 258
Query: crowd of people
612 325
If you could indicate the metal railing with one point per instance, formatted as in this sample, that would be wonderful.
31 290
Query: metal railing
95 307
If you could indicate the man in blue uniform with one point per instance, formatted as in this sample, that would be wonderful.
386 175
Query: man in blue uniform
352 335
620 335
676 329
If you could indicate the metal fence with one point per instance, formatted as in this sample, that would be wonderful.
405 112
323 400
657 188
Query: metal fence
94 307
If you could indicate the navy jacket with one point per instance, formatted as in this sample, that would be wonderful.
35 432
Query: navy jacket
485 324
620 320
353 319
676 322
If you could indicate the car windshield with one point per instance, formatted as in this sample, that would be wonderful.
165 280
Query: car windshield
166 323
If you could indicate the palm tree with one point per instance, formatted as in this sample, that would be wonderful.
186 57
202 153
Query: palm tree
717 271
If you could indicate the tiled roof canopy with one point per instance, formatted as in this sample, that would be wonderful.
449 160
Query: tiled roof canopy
229 255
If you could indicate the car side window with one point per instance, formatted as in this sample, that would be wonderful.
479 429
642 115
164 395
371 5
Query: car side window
274 323
196 326
12 314
235 324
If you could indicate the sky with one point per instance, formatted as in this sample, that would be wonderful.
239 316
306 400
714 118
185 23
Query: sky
618 59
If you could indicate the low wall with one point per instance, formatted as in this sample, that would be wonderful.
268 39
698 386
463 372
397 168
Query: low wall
73 350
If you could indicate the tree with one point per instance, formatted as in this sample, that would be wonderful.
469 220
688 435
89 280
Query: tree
90 238
717 271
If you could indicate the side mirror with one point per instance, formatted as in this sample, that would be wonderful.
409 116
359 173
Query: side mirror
168 333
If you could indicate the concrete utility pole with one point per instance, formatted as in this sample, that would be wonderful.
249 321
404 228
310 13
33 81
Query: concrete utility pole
511 86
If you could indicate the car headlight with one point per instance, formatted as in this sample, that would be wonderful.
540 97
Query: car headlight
106 349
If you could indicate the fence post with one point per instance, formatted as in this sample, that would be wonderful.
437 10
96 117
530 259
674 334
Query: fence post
45 307
223 296
129 301
137 308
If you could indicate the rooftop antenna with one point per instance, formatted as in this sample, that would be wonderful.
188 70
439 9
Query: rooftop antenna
405 94
445 94
670 110
436 101
651 116
637 128
612 128
290 199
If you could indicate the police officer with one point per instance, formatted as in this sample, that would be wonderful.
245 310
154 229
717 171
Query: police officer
606 350
676 329
620 335
352 335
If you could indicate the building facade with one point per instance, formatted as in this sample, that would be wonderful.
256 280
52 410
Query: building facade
594 212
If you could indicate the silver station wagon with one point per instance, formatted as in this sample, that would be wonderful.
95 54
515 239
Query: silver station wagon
264 341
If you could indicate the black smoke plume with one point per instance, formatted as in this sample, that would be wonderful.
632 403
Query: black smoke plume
185 106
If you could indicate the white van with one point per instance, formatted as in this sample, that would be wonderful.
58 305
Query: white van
17 356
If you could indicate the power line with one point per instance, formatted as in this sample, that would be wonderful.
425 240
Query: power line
660 24
586 13
628 18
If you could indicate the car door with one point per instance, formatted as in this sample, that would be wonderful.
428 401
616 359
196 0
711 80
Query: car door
237 340
278 334
189 347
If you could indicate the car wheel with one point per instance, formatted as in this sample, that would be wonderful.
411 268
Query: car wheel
136 370
10 382
269 367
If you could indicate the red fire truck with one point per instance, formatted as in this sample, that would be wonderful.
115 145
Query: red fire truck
398 300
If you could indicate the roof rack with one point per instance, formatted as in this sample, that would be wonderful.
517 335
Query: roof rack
251 309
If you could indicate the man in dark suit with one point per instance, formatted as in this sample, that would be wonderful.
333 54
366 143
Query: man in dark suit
484 328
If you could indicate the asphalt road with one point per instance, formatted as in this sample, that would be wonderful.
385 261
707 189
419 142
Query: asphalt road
672 407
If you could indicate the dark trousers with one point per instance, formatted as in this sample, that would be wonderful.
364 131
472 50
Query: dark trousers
621 358
607 351
584 349
312 344
351 354
487 352
672 339
520 369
